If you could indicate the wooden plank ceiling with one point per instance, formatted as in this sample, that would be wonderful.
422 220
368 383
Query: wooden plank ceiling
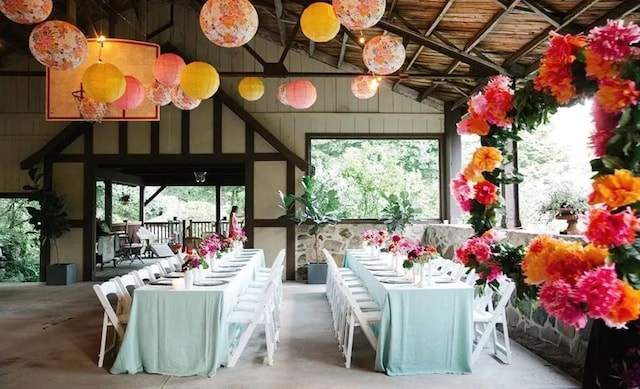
452 45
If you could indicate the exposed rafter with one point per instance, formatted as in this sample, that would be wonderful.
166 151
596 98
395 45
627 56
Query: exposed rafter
343 49
282 27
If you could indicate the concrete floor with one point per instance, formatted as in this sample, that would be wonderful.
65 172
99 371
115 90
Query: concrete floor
49 338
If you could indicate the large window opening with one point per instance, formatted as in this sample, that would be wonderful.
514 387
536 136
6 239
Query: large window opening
363 170
19 246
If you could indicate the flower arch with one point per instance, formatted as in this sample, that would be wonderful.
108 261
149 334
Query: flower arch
573 281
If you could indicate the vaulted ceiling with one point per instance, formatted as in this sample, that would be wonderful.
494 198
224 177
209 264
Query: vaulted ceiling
452 45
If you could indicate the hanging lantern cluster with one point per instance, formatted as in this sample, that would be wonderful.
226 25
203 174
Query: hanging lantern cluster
299 94
27 11
182 100
104 82
199 80
281 94
384 54
251 88
229 23
167 68
133 94
159 94
364 87
58 45
359 14
319 23
92 110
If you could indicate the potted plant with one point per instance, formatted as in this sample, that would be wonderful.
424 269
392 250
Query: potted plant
50 220
565 203
398 212
318 208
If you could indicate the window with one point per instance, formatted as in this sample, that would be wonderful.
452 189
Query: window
362 170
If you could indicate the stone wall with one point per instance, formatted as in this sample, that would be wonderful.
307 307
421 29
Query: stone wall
521 316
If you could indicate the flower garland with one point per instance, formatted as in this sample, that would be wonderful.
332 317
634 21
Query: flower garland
575 281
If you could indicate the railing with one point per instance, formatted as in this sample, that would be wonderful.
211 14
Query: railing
199 229
171 231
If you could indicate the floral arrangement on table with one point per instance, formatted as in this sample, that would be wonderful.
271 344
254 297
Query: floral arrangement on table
226 245
420 254
375 237
210 246
191 261
238 234
575 281
399 245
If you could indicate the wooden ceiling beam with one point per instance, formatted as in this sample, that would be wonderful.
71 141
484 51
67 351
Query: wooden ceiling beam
282 28
254 54
343 49
430 30
622 10
550 17
361 72
544 35
290 41
487 28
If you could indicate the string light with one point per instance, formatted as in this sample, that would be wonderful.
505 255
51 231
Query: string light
361 39
101 39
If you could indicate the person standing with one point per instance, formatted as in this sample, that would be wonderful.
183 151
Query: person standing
234 225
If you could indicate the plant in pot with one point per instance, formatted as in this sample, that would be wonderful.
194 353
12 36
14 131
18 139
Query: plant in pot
399 212
318 208
565 203
50 221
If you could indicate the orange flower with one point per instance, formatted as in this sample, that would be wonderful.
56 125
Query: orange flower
535 259
615 190
485 159
614 95
628 307
472 174
567 262
595 256
599 68
478 126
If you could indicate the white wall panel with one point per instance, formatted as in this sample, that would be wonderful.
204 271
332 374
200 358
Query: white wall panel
70 250
67 182
139 138
233 132
271 240
201 129
170 130
269 177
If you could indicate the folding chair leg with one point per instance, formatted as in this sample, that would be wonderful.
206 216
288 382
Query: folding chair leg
269 331
242 343
103 340
349 345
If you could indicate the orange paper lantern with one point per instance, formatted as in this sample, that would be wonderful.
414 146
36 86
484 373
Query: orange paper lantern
319 23
58 45
27 11
229 23
133 94
199 80
301 94
251 88
167 68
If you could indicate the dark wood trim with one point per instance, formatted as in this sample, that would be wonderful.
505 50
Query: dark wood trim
114 176
255 55
108 202
58 143
15 195
89 223
343 50
153 196
269 157
141 203
155 136
123 137
267 223
69 158
217 126
451 155
167 159
45 250
291 264
249 189
185 123
88 140
218 210
76 223
290 40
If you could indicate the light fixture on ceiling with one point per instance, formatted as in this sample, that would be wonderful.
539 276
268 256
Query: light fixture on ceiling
200 177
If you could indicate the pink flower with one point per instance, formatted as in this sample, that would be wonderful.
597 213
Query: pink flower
463 127
606 229
557 299
476 250
494 235
598 290
478 104
462 192
499 94
605 124
493 273
613 41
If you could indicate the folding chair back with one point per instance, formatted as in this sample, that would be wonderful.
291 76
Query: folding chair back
156 270
143 275
111 318
127 284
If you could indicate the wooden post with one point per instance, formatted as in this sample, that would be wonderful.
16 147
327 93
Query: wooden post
452 162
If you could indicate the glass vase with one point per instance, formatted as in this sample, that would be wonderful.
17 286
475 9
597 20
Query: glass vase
188 279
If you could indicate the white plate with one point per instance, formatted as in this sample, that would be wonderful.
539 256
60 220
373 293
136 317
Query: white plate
443 280
209 282
385 274
396 281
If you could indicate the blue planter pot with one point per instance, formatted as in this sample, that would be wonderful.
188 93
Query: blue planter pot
61 274
317 273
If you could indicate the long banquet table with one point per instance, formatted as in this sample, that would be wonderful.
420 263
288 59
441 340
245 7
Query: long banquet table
182 332
423 330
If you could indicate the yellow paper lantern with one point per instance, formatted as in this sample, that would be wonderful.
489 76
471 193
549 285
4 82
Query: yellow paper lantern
251 88
319 23
103 82
199 80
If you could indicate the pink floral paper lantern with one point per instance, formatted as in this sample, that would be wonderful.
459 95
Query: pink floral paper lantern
182 100
359 14
384 54
364 87
167 68
301 94
58 45
229 23
133 94
159 94
92 110
281 94
26 11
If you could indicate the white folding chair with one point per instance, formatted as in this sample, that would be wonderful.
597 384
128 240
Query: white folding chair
116 319
127 284
144 275
251 319
493 312
156 270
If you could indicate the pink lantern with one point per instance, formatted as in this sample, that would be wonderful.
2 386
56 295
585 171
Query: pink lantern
27 11
133 94
364 87
58 45
229 23
182 100
92 110
301 94
281 94
359 14
159 94
167 68
384 54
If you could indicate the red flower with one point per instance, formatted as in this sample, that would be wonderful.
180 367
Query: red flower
486 192
605 124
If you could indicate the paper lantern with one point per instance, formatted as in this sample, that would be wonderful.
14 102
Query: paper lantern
167 68
103 82
92 110
229 23
182 100
384 54
364 87
319 23
159 94
301 94
133 94
281 94
359 14
58 45
27 11
251 88
199 80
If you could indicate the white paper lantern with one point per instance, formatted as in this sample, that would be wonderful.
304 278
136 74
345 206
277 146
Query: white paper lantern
364 87
26 11
58 45
183 100
359 14
384 54
159 94
229 23
92 110
281 94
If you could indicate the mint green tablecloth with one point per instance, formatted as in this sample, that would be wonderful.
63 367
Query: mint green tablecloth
181 332
423 330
